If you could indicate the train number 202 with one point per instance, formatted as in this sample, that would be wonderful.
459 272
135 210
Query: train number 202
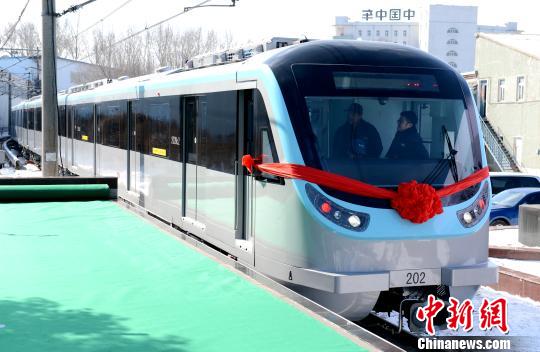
416 278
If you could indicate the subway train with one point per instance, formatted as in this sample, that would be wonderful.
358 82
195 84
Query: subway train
176 141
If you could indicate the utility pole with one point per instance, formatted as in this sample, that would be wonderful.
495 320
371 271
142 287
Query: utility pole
49 144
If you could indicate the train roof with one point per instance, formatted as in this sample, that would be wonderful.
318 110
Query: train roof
355 52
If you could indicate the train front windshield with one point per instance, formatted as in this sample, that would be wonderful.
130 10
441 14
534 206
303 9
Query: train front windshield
387 128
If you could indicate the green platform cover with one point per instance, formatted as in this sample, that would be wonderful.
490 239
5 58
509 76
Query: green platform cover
23 193
91 276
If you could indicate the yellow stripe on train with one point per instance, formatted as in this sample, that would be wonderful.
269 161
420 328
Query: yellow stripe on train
159 151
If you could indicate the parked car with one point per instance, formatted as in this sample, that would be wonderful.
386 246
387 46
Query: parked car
505 205
501 181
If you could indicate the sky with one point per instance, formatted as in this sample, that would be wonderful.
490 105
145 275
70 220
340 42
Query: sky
253 20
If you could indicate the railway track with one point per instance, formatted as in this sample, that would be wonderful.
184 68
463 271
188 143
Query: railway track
388 331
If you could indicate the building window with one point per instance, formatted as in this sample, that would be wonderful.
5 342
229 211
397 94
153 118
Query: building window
482 97
395 33
404 33
369 33
452 53
452 42
359 33
386 33
500 95
452 30
377 33
520 94
453 64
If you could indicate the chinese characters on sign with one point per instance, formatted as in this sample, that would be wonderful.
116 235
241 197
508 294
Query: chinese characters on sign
491 314
391 14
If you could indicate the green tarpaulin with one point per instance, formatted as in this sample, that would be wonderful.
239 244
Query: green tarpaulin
91 276
21 193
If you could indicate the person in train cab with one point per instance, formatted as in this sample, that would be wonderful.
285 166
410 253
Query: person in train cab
407 143
357 138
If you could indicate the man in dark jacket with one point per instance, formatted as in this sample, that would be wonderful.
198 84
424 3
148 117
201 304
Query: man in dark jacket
407 143
356 139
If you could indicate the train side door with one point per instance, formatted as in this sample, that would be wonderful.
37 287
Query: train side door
189 168
137 148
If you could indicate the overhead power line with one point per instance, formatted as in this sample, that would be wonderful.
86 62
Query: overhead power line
141 31
12 29
104 18
213 5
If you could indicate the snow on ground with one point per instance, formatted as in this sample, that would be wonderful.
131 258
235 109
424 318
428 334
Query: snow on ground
505 236
523 315
522 318
29 170
531 267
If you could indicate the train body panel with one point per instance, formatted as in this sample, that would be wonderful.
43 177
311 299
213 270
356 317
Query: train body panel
179 140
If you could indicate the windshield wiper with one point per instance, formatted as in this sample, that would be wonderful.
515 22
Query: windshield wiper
440 165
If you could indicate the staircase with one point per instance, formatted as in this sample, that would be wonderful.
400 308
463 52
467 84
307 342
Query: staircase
496 147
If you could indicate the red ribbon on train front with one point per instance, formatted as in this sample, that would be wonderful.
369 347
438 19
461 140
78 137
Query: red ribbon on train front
416 202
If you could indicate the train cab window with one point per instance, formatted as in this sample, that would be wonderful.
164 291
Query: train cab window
83 126
111 122
38 118
386 126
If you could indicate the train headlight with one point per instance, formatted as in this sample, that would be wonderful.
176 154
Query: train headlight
467 217
349 219
354 221
471 215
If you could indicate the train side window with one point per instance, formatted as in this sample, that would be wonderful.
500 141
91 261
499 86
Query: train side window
111 117
264 141
30 113
139 138
70 116
158 117
218 146
175 129
84 123
37 113
62 120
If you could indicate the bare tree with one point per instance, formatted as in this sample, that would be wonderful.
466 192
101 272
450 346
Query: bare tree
103 52
25 37
68 43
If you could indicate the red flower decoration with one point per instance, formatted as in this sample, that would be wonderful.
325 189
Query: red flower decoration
417 202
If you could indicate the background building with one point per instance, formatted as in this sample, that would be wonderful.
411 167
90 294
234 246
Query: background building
508 72
445 31
20 79
450 35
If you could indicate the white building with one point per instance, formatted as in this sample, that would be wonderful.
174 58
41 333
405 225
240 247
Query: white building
445 31
450 35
